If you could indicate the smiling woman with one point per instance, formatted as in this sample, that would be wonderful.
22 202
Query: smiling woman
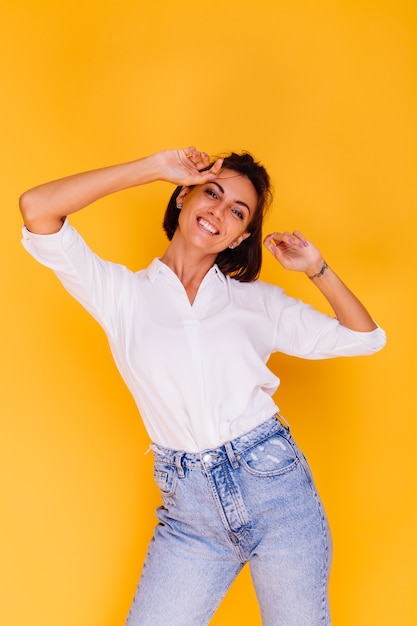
240 174
191 335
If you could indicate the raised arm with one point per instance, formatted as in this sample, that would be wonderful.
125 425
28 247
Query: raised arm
45 207
295 252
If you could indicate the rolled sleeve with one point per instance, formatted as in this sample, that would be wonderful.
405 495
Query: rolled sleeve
97 284
304 332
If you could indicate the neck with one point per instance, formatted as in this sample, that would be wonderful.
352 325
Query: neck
189 265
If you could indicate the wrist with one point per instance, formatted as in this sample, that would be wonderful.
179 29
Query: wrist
152 167
319 273
138 172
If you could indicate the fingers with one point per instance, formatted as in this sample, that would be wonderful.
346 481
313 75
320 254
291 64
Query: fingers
286 239
216 167
274 243
301 238
200 159
293 251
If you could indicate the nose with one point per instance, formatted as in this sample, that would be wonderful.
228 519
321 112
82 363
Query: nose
218 210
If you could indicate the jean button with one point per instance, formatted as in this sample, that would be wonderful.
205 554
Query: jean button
207 458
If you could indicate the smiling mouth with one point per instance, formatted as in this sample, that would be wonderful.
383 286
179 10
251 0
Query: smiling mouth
207 226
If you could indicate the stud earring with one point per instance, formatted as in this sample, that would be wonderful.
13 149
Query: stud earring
232 246
179 206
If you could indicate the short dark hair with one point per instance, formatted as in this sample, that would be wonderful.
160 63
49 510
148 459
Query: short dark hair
243 262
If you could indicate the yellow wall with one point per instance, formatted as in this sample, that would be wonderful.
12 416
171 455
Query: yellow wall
324 92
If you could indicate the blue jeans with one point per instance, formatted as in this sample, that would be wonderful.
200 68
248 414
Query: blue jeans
250 500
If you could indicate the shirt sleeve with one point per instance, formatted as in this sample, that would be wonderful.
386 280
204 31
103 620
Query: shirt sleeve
97 284
302 331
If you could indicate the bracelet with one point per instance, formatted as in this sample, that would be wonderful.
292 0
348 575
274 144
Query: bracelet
321 272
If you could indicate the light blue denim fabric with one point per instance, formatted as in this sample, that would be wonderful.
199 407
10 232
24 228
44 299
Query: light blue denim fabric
253 501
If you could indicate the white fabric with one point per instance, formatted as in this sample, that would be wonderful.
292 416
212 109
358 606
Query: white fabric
198 373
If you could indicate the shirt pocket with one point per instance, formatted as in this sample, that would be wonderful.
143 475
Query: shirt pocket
271 457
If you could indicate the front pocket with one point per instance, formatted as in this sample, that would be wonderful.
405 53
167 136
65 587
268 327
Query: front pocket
165 477
270 457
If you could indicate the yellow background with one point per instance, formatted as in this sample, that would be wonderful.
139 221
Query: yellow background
324 93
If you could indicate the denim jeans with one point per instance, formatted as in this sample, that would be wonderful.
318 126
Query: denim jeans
253 501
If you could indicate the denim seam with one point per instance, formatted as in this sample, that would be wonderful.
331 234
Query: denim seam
269 474
325 531
234 536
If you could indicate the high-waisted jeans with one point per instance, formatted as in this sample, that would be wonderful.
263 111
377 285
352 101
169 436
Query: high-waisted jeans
251 500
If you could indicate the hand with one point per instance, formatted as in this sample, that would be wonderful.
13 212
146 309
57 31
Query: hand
294 252
183 166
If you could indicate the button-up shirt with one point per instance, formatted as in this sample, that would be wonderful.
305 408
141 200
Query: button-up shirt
198 372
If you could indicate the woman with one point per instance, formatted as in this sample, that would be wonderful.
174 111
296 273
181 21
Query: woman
191 335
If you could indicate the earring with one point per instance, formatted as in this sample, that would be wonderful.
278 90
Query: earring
232 246
179 206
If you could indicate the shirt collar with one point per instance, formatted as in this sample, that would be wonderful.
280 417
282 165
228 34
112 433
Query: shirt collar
157 266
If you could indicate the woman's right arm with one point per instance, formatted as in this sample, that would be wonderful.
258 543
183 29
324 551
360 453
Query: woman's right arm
44 208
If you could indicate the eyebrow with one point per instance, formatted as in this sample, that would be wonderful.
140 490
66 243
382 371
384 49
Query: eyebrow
240 202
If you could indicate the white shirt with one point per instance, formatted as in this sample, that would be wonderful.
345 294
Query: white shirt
198 373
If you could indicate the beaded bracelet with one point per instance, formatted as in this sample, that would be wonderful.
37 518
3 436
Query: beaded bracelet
321 272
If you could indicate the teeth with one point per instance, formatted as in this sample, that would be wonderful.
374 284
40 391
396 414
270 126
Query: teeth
207 226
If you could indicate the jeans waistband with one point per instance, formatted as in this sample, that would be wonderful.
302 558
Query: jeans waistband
228 451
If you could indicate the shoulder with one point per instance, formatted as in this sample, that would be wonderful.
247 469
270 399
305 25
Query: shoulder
257 286
259 294
66 252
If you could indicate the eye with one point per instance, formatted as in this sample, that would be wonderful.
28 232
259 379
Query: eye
212 194
238 213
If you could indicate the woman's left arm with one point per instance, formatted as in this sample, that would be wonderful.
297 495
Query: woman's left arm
295 252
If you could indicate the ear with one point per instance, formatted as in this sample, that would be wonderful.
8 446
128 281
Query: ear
184 191
241 238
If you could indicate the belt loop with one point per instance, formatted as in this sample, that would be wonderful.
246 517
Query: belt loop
178 464
231 455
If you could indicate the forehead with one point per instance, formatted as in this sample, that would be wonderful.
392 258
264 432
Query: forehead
238 185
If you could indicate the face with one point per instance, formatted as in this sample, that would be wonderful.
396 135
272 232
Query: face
216 214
